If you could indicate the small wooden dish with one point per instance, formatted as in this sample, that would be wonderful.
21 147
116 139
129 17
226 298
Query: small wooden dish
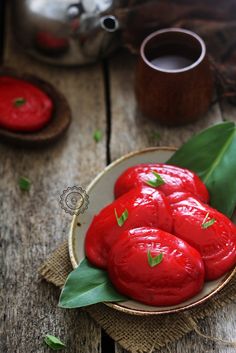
54 129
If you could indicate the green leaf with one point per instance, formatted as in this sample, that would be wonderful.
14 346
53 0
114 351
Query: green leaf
97 136
211 154
24 184
54 343
121 220
18 102
154 261
206 224
158 181
88 285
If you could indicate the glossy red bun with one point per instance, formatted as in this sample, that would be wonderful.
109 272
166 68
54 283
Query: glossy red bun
146 207
216 243
23 106
175 178
178 277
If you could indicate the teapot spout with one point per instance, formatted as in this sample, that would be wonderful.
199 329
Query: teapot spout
109 23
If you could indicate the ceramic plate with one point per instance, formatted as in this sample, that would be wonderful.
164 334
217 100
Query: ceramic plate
100 193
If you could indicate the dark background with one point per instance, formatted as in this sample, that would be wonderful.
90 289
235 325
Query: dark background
2 2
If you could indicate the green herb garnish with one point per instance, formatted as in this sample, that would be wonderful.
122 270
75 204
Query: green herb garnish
121 220
206 224
54 343
97 136
24 184
18 102
158 181
156 260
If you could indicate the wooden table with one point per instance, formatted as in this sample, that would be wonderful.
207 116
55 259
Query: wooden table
33 224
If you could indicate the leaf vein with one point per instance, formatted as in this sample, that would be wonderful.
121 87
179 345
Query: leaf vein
218 158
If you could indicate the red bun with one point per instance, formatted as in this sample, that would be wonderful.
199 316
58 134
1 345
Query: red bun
146 207
178 277
175 178
23 106
216 243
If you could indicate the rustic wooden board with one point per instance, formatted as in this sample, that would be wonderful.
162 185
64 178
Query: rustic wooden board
33 224
131 131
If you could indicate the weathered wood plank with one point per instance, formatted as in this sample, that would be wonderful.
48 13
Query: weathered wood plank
130 131
33 224
228 110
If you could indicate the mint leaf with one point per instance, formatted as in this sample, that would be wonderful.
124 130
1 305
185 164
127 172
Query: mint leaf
158 181
97 136
54 342
206 224
18 102
154 261
121 220
24 184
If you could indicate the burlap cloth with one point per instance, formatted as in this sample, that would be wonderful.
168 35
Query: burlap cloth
140 334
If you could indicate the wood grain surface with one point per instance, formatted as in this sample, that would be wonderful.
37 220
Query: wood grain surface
32 224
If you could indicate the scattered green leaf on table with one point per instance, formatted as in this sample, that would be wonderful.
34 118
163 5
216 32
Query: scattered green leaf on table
54 342
24 184
88 285
97 136
212 155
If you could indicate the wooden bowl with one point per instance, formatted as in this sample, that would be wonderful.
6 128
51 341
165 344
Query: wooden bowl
56 127
173 92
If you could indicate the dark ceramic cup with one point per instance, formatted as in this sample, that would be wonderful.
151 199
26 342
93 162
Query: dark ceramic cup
173 82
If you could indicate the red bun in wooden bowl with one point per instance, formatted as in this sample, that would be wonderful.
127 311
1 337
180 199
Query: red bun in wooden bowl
34 113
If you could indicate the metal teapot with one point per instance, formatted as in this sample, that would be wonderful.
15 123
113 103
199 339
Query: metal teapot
76 32
66 32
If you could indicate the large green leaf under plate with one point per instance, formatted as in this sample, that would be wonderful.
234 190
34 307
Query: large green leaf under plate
212 155
87 285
